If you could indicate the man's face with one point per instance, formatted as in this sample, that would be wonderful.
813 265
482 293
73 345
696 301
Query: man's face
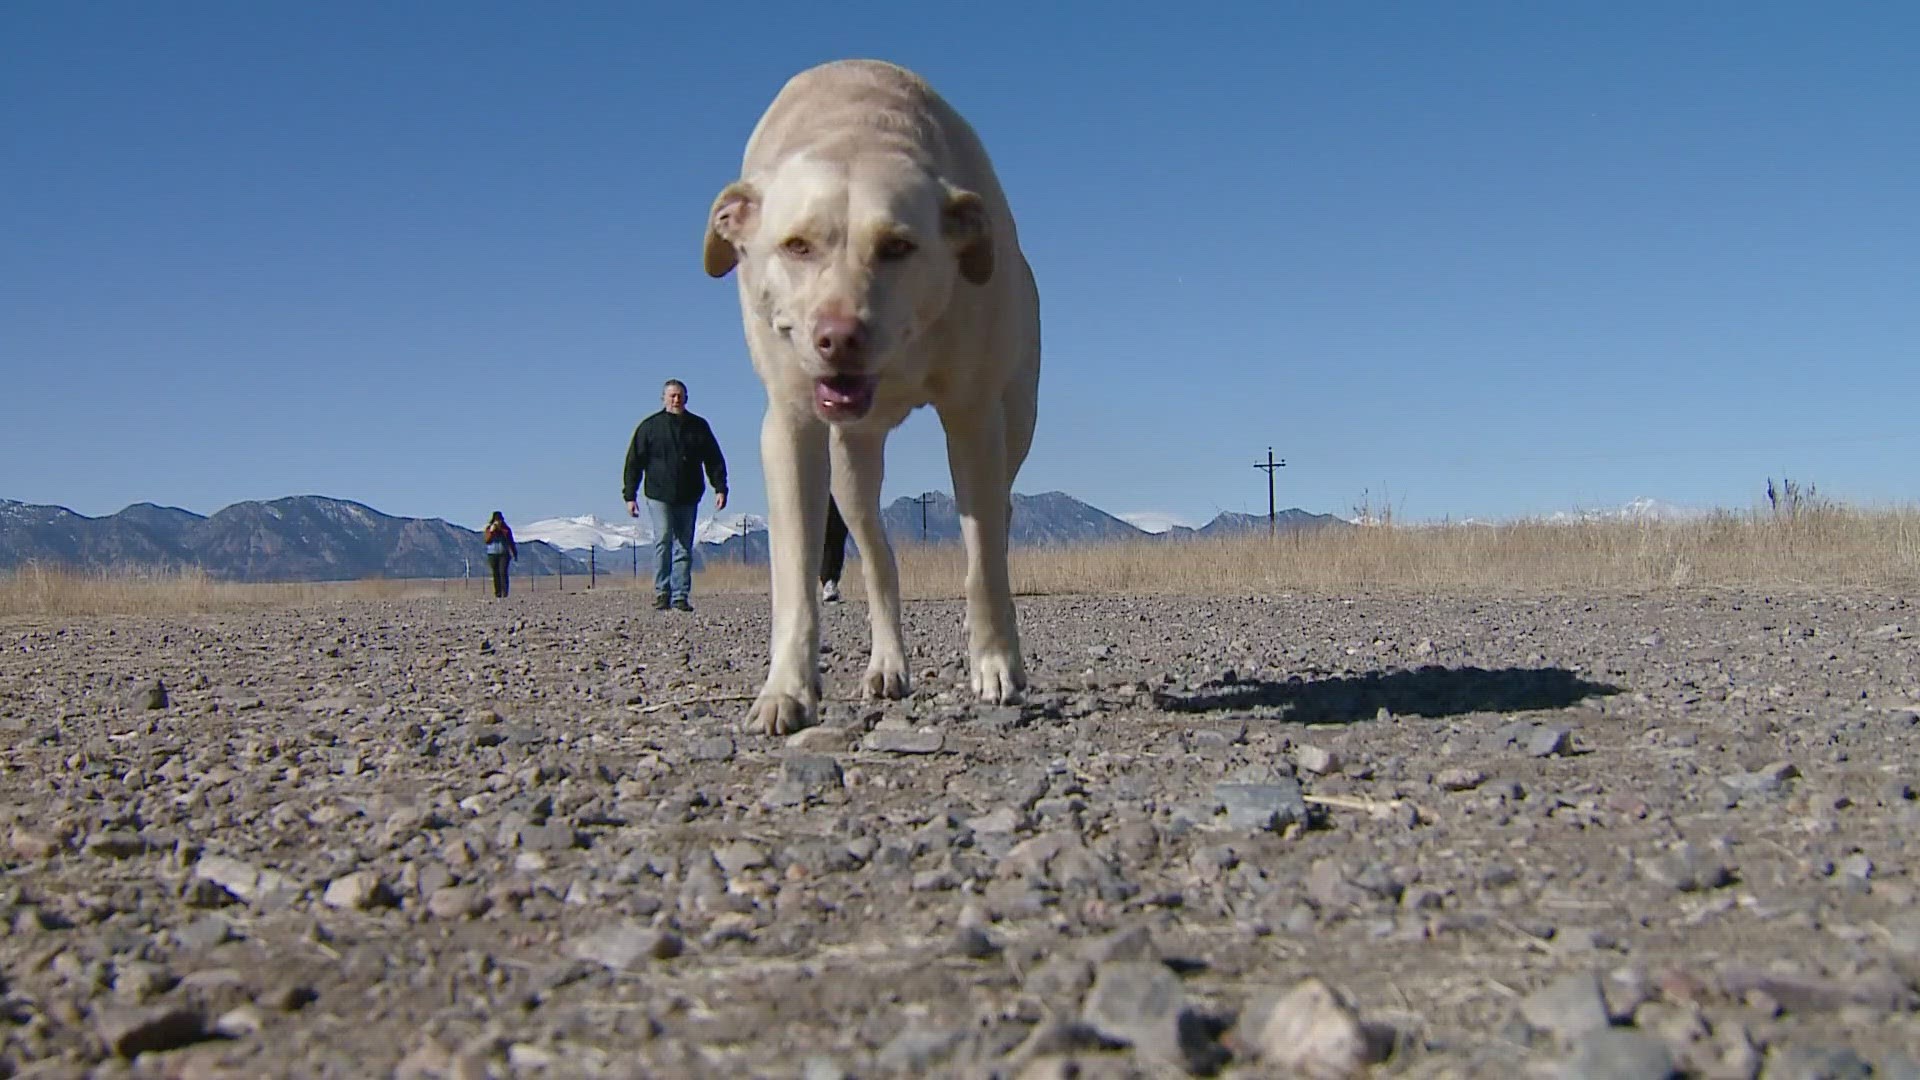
674 398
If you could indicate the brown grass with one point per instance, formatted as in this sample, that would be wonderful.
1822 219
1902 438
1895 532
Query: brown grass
56 592
1826 547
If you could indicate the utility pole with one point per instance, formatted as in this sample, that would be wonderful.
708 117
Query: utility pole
923 499
1270 465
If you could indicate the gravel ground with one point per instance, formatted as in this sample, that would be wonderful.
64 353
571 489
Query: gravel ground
1608 836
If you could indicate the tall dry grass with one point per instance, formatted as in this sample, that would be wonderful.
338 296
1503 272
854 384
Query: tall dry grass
1822 547
39 591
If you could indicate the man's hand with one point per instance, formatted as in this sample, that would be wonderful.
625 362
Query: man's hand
633 508
719 501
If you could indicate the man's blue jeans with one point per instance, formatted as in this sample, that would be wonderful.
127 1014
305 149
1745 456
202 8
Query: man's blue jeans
673 547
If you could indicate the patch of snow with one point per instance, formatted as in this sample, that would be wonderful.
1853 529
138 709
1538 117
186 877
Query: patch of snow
585 531
1154 521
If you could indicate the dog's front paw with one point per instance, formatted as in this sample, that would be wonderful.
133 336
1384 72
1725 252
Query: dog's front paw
779 714
998 678
886 678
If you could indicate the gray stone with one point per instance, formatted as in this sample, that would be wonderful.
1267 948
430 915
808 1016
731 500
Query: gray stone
1317 760
812 772
203 934
1618 1054
357 891
1568 1007
712 748
1004 819
116 844
897 741
1855 866
1549 742
1686 868
550 837
628 947
823 1068
826 739
243 880
151 695
1141 1003
131 1032
1771 780
1877 989
457 902
137 981
917 1050
974 943
1261 807
1312 1030
740 856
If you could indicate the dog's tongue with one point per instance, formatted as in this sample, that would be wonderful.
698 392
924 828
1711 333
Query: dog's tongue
844 396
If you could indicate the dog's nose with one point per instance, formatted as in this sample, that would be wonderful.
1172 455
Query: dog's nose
839 339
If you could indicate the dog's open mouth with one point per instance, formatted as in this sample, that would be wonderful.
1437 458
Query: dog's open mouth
844 397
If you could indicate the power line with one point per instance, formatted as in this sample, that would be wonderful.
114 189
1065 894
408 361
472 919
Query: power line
923 499
1270 465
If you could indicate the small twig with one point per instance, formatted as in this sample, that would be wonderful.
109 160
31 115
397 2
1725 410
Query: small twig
1525 938
1377 809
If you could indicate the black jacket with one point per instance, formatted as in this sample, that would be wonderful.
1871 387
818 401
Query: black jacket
669 451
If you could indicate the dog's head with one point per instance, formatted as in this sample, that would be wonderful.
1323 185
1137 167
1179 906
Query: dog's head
848 263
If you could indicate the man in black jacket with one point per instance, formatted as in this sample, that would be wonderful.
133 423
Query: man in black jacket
669 449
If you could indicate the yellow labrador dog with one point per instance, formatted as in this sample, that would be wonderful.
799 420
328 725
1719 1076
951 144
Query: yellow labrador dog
879 271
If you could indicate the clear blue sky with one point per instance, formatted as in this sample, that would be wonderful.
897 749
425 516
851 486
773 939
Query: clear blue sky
1484 259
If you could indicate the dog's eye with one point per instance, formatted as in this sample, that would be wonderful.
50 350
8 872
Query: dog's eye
797 247
894 248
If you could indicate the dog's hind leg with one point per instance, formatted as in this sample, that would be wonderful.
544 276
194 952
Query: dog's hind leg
977 456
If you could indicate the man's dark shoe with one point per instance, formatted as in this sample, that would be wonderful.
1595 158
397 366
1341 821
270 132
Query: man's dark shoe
683 604
659 601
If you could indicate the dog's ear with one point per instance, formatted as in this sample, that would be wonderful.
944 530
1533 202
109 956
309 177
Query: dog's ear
728 222
964 222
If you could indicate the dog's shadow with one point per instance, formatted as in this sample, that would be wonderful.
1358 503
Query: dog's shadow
1432 691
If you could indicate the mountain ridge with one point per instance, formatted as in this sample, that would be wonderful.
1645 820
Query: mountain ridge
323 538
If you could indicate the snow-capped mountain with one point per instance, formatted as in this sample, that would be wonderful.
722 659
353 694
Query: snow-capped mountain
298 538
1641 509
586 531
721 530
589 531
1153 521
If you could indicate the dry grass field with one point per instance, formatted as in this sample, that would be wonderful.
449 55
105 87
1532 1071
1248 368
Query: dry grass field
1825 546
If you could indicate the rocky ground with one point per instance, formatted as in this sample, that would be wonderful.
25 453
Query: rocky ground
1601 836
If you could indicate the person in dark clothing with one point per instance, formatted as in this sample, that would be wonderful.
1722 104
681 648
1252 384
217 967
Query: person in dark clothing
834 559
501 551
669 451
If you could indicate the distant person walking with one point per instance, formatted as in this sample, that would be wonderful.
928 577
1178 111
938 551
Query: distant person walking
501 551
669 450
834 559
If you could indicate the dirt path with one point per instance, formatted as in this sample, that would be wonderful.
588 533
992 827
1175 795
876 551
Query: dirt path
1599 836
